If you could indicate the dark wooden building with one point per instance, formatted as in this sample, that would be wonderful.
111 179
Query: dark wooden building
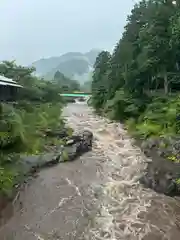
8 89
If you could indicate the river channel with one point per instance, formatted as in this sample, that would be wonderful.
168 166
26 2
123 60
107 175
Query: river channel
97 196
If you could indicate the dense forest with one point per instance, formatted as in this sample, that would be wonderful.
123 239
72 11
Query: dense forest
139 83
35 108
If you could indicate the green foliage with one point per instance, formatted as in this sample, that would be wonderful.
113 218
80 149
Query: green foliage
66 84
174 159
64 156
148 129
140 82
23 124
100 80
6 181
160 117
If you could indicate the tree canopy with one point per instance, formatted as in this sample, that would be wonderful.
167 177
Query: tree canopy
66 84
144 69
36 108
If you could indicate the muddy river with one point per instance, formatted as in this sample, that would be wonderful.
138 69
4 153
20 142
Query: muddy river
95 197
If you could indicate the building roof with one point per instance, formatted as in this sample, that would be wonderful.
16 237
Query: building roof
8 82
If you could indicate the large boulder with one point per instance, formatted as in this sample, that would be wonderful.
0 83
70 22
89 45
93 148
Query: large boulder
162 176
163 172
77 145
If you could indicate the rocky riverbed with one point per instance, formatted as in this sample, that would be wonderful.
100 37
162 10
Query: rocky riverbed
98 196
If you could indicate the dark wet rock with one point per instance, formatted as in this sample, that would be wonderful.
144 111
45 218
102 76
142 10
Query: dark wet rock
149 144
152 143
170 148
70 100
165 147
161 175
76 145
164 151
81 99
177 146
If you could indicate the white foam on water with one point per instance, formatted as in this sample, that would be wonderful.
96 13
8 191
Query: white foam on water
124 200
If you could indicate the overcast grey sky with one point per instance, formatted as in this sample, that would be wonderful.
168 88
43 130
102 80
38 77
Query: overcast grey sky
32 29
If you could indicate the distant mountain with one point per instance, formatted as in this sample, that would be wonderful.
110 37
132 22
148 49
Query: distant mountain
74 65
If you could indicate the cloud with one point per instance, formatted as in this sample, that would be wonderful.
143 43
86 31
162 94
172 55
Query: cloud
31 29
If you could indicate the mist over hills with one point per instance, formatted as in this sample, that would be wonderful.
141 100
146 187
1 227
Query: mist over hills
74 65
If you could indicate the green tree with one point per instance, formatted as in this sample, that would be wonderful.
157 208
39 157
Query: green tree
38 107
143 72
100 83
66 84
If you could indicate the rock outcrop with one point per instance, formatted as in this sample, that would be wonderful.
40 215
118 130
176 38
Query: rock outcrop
162 176
163 172
75 146
165 147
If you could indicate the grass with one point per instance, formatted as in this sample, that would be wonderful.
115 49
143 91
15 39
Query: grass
23 133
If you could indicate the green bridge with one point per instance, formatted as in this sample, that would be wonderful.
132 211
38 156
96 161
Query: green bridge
76 94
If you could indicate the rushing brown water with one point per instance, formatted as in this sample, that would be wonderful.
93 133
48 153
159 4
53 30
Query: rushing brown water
95 197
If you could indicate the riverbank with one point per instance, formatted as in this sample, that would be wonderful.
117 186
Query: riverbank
66 148
127 209
57 203
163 150
98 195
155 126
161 174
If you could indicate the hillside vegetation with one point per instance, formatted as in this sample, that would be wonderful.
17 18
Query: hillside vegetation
66 84
139 83
36 108
74 65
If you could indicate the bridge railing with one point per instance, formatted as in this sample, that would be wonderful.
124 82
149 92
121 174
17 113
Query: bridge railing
75 94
